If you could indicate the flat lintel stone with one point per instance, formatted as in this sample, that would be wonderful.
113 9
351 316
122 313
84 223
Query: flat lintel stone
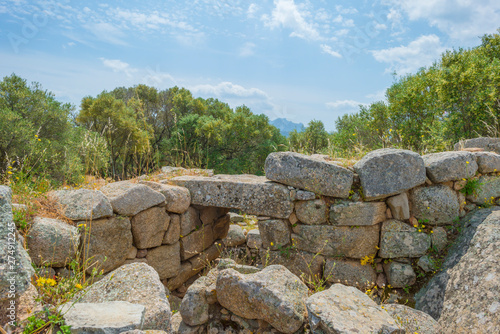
249 193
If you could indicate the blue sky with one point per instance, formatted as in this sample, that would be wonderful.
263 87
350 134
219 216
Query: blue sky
296 59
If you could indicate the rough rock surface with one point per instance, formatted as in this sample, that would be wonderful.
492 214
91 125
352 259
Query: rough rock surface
450 166
350 272
53 242
435 205
302 264
178 199
274 295
399 275
196 242
337 240
312 212
413 321
173 233
439 238
275 233
129 199
472 297
166 260
136 283
398 239
400 207
23 271
108 243
83 204
149 226
309 173
487 162
489 189
103 318
386 172
235 236
194 306
190 220
357 213
249 193
486 143
430 298
254 241
344 309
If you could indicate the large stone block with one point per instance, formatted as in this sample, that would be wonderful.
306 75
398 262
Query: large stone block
305 265
82 204
129 199
274 233
345 309
398 239
196 242
353 242
53 242
312 212
166 260
413 321
190 220
357 213
178 199
487 162
350 272
249 193
309 173
435 205
173 233
386 172
149 226
399 275
450 166
400 208
486 143
489 189
235 236
108 243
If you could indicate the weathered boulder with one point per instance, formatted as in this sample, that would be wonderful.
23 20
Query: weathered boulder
82 204
209 215
487 162
275 233
103 318
149 226
400 208
312 212
472 295
166 260
450 166
305 265
254 240
486 143
173 232
178 199
194 306
386 172
357 213
398 239
489 189
344 309
195 242
435 205
185 272
249 193
274 295
18 278
135 283
426 263
413 321
350 272
52 242
439 238
399 275
304 195
309 173
107 243
129 199
190 220
337 240
235 236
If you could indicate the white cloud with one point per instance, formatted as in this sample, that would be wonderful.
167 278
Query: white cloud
150 20
405 59
328 50
342 104
343 10
228 89
287 14
248 49
252 9
107 33
118 66
463 20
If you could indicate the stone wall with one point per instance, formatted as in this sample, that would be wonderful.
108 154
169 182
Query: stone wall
372 223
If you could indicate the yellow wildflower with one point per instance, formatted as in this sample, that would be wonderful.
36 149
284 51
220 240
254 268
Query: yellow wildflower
51 282
466 162
78 286
40 281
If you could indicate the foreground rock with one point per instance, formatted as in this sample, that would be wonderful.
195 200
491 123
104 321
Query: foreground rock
357 213
105 318
52 242
450 166
388 172
274 295
136 283
472 298
249 193
398 240
435 205
343 309
413 321
309 173
82 204
488 162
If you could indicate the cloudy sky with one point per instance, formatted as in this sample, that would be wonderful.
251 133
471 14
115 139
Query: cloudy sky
297 59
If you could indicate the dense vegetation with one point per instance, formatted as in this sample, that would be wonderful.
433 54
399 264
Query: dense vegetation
135 130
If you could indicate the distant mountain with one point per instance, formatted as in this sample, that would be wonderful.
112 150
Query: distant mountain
285 126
